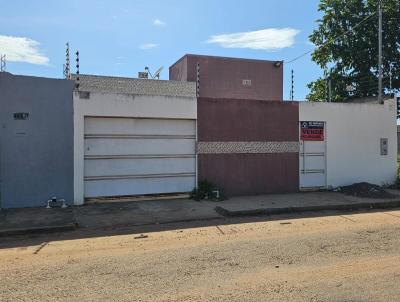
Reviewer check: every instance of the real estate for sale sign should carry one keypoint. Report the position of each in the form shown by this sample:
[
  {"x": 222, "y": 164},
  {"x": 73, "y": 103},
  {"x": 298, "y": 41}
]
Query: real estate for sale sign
[{"x": 311, "y": 131}]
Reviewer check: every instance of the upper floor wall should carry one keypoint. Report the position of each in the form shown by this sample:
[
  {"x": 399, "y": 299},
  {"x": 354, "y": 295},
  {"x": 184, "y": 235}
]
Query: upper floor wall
[{"x": 231, "y": 78}]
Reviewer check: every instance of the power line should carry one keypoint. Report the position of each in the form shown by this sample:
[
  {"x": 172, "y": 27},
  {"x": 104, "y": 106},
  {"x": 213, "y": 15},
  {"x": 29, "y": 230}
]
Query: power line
[
  {"x": 299, "y": 57},
  {"x": 331, "y": 41}
]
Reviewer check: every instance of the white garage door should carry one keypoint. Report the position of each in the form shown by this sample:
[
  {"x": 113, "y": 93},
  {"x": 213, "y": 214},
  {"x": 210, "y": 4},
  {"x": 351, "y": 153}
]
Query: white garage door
[{"x": 133, "y": 156}]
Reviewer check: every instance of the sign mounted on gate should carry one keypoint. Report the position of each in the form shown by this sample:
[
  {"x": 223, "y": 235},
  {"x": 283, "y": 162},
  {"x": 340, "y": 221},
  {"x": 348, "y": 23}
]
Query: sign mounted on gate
[{"x": 312, "y": 131}]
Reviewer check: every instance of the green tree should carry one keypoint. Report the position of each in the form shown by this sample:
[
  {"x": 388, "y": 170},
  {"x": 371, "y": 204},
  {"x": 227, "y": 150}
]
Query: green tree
[{"x": 346, "y": 43}]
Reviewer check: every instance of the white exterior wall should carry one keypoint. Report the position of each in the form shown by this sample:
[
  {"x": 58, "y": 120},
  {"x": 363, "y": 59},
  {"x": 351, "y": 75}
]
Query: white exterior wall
[
  {"x": 353, "y": 132},
  {"x": 122, "y": 105}
]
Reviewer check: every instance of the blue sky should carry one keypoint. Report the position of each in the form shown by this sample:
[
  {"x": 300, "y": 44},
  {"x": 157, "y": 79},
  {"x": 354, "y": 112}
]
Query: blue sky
[{"x": 120, "y": 38}]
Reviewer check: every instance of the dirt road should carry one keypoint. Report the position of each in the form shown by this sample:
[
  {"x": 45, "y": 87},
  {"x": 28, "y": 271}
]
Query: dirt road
[{"x": 332, "y": 258}]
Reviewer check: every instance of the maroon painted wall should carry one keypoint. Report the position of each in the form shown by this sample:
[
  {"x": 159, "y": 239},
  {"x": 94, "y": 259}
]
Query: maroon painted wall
[
  {"x": 178, "y": 71},
  {"x": 222, "y": 77},
  {"x": 227, "y": 120},
  {"x": 240, "y": 120},
  {"x": 251, "y": 174}
]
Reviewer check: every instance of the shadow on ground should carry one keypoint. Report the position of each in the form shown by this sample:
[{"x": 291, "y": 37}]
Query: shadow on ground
[{"x": 17, "y": 241}]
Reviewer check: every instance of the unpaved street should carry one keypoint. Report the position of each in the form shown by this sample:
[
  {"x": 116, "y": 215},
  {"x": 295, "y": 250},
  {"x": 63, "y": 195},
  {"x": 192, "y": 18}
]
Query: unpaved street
[{"x": 349, "y": 257}]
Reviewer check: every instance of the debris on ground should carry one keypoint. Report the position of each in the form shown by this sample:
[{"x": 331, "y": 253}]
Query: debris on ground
[
  {"x": 365, "y": 189},
  {"x": 141, "y": 236}
]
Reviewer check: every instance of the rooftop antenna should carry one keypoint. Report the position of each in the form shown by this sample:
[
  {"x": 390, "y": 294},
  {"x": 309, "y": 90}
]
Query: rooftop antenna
[
  {"x": 156, "y": 74},
  {"x": 77, "y": 69},
  {"x": 2, "y": 63},
  {"x": 67, "y": 70}
]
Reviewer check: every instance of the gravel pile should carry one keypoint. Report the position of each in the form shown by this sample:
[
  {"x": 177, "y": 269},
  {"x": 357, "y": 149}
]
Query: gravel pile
[{"x": 365, "y": 189}]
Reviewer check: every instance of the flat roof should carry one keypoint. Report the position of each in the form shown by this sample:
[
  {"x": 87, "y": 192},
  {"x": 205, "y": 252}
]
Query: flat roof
[{"x": 225, "y": 58}]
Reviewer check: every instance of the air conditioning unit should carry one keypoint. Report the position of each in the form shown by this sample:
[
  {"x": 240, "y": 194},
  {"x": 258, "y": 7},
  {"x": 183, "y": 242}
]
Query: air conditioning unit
[{"x": 143, "y": 75}]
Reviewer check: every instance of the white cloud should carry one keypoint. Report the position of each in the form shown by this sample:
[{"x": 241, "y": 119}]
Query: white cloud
[
  {"x": 22, "y": 49},
  {"x": 158, "y": 22},
  {"x": 265, "y": 39},
  {"x": 148, "y": 46}
]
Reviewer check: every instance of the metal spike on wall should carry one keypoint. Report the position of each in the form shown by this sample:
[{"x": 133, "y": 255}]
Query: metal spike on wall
[
  {"x": 198, "y": 80},
  {"x": 2, "y": 63},
  {"x": 292, "y": 87},
  {"x": 77, "y": 70},
  {"x": 67, "y": 70}
]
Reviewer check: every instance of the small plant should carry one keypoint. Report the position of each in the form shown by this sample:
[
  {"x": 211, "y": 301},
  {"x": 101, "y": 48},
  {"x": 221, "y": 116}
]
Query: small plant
[
  {"x": 396, "y": 184},
  {"x": 398, "y": 175},
  {"x": 207, "y": 190}
]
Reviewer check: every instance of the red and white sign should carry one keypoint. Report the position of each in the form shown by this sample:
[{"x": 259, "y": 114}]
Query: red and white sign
[{"x": 312, "y": 131}]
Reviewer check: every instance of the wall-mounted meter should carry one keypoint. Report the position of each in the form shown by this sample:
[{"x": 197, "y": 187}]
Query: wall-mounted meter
[{"x": 384, "y": 146}]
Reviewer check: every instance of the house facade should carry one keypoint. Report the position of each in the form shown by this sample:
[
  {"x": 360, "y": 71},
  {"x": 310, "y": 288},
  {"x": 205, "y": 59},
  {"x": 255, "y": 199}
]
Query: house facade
[{"x": 218, "y": 119}]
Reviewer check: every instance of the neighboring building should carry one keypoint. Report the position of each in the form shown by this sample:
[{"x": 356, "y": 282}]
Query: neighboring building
[
  {"x": 133, "y": 137},
  {"x": 36, "y": 140}
]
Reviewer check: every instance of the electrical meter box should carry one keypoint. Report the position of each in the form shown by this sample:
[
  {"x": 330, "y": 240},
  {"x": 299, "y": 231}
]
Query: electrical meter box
[{"x": 384, "y": 146}]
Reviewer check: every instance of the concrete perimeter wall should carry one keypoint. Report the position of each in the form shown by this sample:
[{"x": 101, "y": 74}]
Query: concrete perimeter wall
[
  {"x": 248, "y": 147},
  {"x": 353, "y": 133},
  {"x": 36, "y": 154}
]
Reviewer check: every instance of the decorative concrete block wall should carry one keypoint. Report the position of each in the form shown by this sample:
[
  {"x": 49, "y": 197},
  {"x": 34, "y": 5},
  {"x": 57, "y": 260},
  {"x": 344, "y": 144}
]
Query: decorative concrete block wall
[{"x": 134, "y": 86}]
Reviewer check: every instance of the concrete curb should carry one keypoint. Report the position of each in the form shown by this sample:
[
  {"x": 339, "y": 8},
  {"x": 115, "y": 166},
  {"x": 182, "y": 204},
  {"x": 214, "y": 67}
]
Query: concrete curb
[
  {"x": 334, "y": 207},
  {"x": 223, "y": 212},
  {"x": 38, "y": 230}
]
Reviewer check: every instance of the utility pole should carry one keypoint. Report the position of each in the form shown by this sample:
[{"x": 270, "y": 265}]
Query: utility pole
[{"x": 380, "y": 52}]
